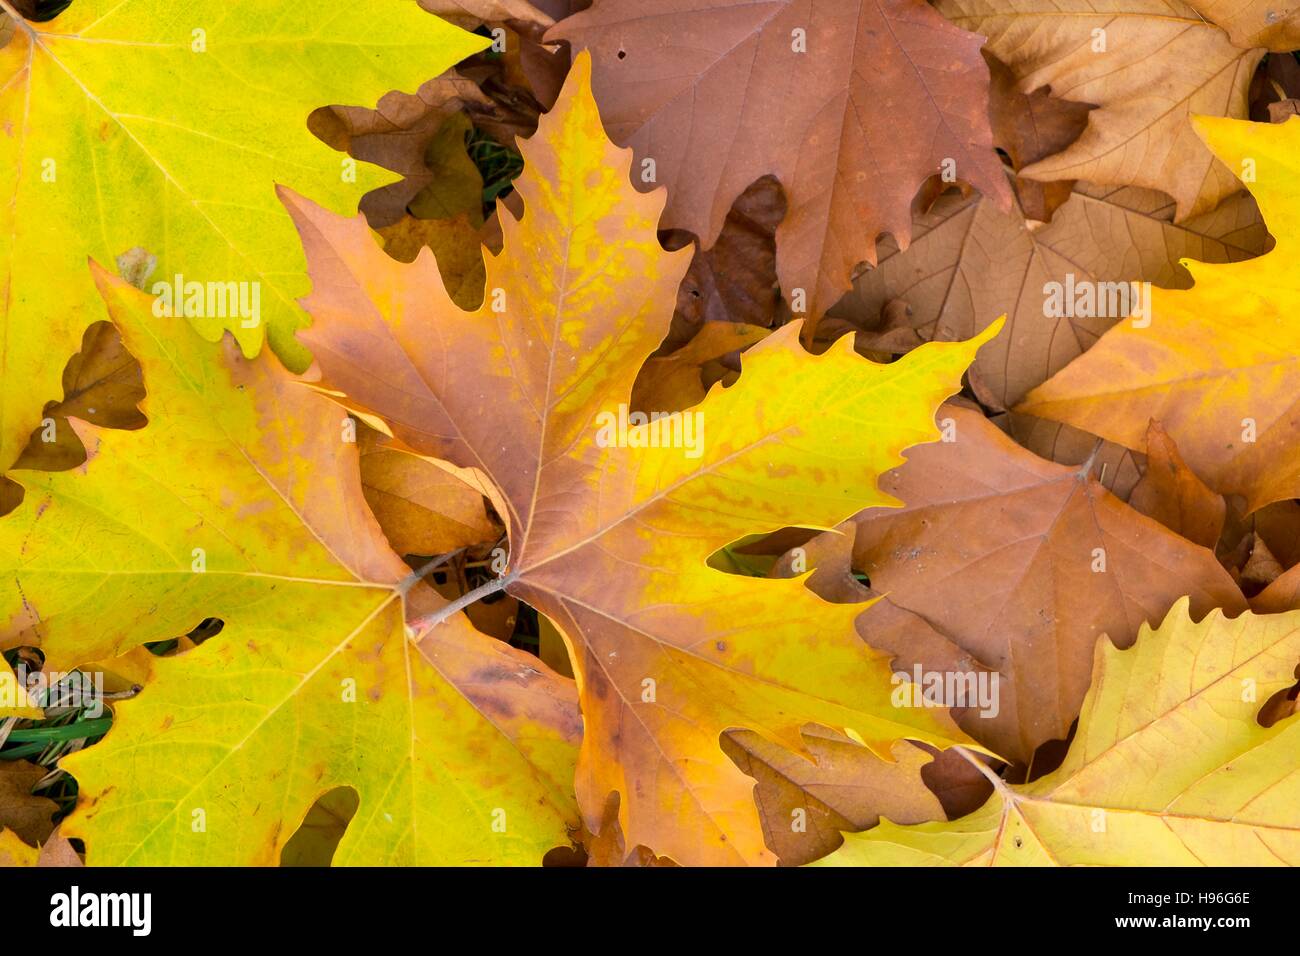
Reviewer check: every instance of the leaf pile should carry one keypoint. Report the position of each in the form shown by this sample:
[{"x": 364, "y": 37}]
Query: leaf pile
[{"x": 521, "y": 432}]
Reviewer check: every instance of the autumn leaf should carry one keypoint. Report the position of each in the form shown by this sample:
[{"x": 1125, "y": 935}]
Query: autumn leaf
[
  {"x": 127, "y": 125},
  {"x": 1132, "y": 790},
  {"x": 422, "y": 508},
  {"x": 1214, "y": 364},
  {"x": 456, "y": 245},
  {"x": 14, "y": 699},
  {"x": 850, "y": 105},
  {"x": 806, "y": 804},
  {"x": 1003, "y": 562},
  {"x": 241, "y": 499},
  {"x": 474, "y": 13},
  {"x": 398, "y": 135},
  {"x": 969, "y": 261},
  {"x": 674, "y": 382},
  {"x": 1172, "y": 494},
  {"x": 609, "y": 538},
  {"x": 21, "y": 812},
  {"x": 1147, "y": 65}
]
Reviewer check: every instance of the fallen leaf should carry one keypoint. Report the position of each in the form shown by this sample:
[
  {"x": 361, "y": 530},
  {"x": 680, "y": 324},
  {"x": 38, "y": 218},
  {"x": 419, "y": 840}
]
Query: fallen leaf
[
  {"x": 167, "y": 133},
  {"x": 422, "y": 508},
  {"x": 969, "y": 261},
  {"x": 455, "y": 246},
  {"x": 674, "y": 382},
  {"x": 850, "y": 105},
  {"x": 1148, "y": 65},
  {"x": 1001, "y": 560},
  {"x": 1131, "y": 792},
  {"x": 1172, "y": 494},
  {"x": 1214, "y": 363},
  {"x": 21, "y": 812},
  {"x": 806, "y": 804},
  {"x": 241, "y": 500},
  {"x": 1117, "y": 469},
  {"x": 398, "y": 134},
  {"x": 609, "y": 532}
]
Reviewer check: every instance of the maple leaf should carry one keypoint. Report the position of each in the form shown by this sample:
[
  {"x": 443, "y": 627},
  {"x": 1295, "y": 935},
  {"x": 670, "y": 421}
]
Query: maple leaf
[
  {"x": 806, "y": 805},
  {"x": 1214, "y": 364},
  {"x": 22, "y": 813},
  {"x": 673, "y": 382},
  {"x": 126, "y": 124},
  {"x": 399, "y": 134},
  {"x": 1131, "y": 791},
  {"x": 1147, "y": 65},
  {"x": 719, "y": 94},
  {"x": 1172, "y": 494},
  {"x": 1001, "y": 561},
  {"x": 14, "y": 699},
  {"x": 610, "y": 538},
  {"x": 968, "y": 261},
  {"x": 241, "y": 499},
  {"x": 422, "y": 508}
]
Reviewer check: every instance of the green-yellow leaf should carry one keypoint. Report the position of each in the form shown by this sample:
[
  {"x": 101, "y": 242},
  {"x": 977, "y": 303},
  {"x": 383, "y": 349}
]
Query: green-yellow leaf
[
  {"x": 241, "y": 499},
  {"x": 153, "y": 124}
]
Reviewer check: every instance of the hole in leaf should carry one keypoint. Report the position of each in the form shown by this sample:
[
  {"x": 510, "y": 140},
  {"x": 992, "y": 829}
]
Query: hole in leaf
[{"x": 318, "y": 836}]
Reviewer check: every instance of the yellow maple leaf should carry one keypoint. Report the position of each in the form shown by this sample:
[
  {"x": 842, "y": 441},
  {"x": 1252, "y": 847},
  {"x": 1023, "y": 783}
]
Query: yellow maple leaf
[
  {"x": 1169, "y": 766},
  {"x": 612, "y": 521},
  {"x": 1215, "y": 364},
  {"x": 128, "y": 124},
  {"x": 241, "y": 499}
]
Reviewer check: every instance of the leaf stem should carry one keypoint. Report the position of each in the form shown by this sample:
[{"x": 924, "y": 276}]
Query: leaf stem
[
  {"x": 422, "y": 626},
  {"x": 999, "y": 784},
  {"x": 408, "y": 582}
]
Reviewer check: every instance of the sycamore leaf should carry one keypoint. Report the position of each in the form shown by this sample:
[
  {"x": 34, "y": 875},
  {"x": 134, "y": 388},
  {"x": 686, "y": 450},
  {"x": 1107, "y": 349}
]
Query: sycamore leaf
[
  {"x": 456, "y": 245},
  {"x": 670, "y": 383},
  {"x": 969, "y": 261},
  {"x": 609, "y": 532},
  {"x": 850, "y": 104},
  {"x": 14, "y": 699},
  {"x": 131, "y": 123},
  {"x": 1147, "y": 65},
  {"x": 1169, "y": 767},
  {"x": 21, "y": 812},
  {"x": 422, "y": 508},
  {"x": 1215, "y": 364},
  {"x": 999, "y": 560},
  {"x": 1172, "y": 494},
  {"x": 241, "y": 500},
  {"x": 805, "y": 805},
  {"x": 397, "y": 135}
]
